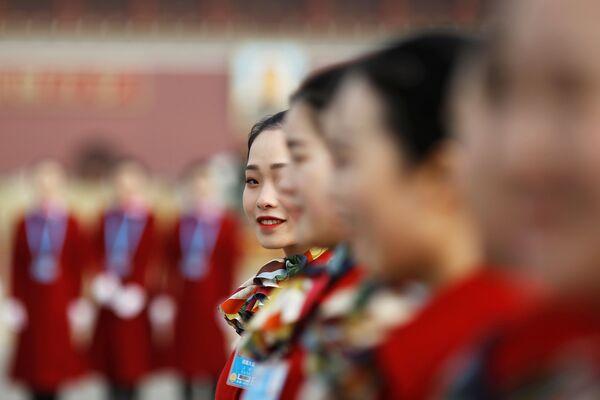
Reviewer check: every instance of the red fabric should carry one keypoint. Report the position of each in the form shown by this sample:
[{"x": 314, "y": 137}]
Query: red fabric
[
  {"x": 225, "y": 391},
  {"x": 45, "y": 356},
  {"x": 199, "y": 344},
  {"x": 535, "y": 345},
  {"x": 122, "y": 348},
  {"x": 413, "y": 357}
]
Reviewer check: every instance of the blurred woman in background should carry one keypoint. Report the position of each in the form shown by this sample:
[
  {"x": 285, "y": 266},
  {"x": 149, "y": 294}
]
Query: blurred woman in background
[
  {"x": 46, "y": 308},
  {"x": 126, "y": 249},
  {"x": 202, "y": 253}
]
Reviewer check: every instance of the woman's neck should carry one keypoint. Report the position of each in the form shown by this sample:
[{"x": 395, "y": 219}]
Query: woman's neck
[
  {"x": 294, "y": 250},
  {"x": 460, "y": 255}
]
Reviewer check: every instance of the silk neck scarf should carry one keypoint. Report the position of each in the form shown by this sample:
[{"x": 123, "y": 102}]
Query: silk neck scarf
[
  {"x": 351, "y": 322},
  {"x": 253, "y": 294},
  {"x": 271, "y": 332}
]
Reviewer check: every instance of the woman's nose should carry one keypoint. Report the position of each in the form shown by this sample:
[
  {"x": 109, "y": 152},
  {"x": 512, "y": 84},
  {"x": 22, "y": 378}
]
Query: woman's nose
[{"x": 267, "y": 197}]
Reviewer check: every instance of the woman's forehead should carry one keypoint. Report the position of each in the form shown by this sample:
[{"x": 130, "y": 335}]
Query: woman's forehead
[{"x": 269, "y": 148}]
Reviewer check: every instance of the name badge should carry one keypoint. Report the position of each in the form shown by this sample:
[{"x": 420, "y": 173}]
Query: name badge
[
  {"x": 241, "y": 374},
  {"x": 269, "y": 379}
]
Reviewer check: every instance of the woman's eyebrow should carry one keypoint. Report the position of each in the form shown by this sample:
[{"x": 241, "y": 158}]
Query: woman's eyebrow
[
  {"x": 278, "y": 165},
  {"x": 291, "y": 143},
  {"x": 254, "y": 167}
]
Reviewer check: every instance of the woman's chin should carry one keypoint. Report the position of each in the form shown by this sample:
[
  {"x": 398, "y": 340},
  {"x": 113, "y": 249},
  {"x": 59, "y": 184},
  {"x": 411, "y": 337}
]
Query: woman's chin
[{"x": 271, "y": 243}]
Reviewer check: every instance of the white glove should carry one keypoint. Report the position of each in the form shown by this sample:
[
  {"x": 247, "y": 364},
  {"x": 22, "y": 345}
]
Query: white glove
[
  {"x": 14, "y": 314},
  {"x": 128, "y": 301},
  {"x": 81, "y": 315},
  {"x": 104, "y": 288},
  {"x": 162, "y": 311}
]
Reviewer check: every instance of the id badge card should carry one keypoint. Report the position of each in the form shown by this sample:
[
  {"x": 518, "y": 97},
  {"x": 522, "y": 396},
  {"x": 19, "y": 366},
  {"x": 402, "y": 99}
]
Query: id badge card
[
  {"x": 241, "y": 374},
  {"x": 269, "y": 379}
]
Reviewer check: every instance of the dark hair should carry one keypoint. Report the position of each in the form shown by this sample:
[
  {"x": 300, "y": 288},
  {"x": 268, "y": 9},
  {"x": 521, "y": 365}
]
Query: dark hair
[
  {"x": 412, "y": 78},
  {"x": 318, "y": 89},
  {"x": 274, "y": 121}
]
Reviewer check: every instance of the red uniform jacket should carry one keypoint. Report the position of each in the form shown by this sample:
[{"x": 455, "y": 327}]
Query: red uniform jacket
[
  {"x": 413, "y": 357},
  {"x": 551, "y": 352},
  {"x": 122, "y": 348},
  {"x": 202, "y": 255},
  {"x": 46, "y": 282}
]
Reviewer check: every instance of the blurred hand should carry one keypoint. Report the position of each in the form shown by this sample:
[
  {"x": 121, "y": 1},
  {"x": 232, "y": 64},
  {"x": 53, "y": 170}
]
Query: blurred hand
[
  {"x": 81, "y": 314},
  {"x": 14, "y": 314},
  {"x": 128, "y": 301},
  {"x": 162, "y": 316},
  {"x": 104, "y": 288}
]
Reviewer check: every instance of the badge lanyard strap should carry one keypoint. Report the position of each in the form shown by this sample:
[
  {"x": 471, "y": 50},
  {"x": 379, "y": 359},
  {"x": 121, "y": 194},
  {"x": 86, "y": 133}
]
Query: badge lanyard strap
[
  {"x": 117, "y": 244},
  {"x": 124, "y": 243},
  {"x": 201, "y": 243},
  {"x": 45, "y": 246}
]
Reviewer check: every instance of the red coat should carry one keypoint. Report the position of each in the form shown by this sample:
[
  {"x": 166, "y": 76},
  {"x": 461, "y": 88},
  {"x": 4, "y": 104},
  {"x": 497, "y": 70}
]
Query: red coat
[
  {"x": 122, "y": 348},
  {"x": 198, "y": 285},
  {"x": 415, "y": 355},
  {"x": 555, "y": 345},
  {"x": 45, "y": 356}
]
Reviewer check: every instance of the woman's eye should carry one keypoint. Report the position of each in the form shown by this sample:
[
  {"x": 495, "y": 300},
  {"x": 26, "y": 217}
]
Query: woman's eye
[
  {"x": 341, "y": 160},
  {"x": 251, "y": 181},
  {"x": 298, "y": 158}
]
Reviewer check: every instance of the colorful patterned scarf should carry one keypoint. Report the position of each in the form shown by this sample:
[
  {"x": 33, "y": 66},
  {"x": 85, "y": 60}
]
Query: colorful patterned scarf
[
  {"x": 271, "y": 331},
  {"x": 241, "y": 306},
  {"x": 352, "y": 320}
]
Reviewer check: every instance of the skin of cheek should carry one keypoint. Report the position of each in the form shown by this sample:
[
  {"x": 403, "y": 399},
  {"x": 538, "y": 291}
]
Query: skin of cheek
[
  {"x": 387, "y": 230},
  {"x": 320, "y": 225},
  {"x": 285, "y": 235},
  {"x": 377, "y": 199}
]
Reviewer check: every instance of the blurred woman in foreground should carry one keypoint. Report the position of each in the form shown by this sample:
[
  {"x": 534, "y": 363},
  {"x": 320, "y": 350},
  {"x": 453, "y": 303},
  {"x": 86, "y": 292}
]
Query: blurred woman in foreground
[
  {"x": 527, "y": 110},
  {"x": 397, "y": 192}
]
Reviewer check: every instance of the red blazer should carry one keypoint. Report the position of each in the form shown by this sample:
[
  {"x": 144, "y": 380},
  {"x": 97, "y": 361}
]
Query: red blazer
[
  {"x": 198, "y": 348},
  {"x": 555, "y": 345},
  {"x": 121, "y": 348},
  {"x": 45, "y": 356},
  {"x": 415, "y": 355}
]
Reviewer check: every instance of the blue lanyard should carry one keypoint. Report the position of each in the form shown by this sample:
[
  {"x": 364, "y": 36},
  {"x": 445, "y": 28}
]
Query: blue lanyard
[
  {"x": 196, "y": 246},
  {"x": 120, "y": 245},
  {"x": 121, "y": 242},
  {"x": 45, "y": 237}
]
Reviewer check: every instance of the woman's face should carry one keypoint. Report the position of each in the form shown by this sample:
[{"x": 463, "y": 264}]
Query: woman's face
[
  {"x": 130, "y": 182},
  {"x": 382, "y": 202},
  {"x": 531, "y": 128},
  {"x": 267, "y": 160},
  {"x": 307, "y": 187}
]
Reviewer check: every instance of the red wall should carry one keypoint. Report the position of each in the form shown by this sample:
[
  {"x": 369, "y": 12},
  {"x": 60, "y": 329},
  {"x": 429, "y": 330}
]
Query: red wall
[{"x": 178, "y": 118}]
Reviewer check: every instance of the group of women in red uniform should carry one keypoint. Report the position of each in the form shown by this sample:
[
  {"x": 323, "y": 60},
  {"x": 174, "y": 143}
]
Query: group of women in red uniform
[
  {"x": 436, "y": 203},
  {"x": 142, "y": 303}
]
